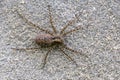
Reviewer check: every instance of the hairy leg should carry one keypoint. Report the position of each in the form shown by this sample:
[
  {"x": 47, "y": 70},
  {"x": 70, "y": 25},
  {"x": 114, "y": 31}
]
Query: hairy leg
[
  {"x": 74, "y": 51},
  {"x": 32, "y": 24},
  {"x": 51, "y": 19},
  {"x": 73, "y": 30},
  {"x": 25, "y": 48},
  {"x": 68, "y": 24},
  {"x": 67, "y": 56},
  {"x": 45, "y": 59}
]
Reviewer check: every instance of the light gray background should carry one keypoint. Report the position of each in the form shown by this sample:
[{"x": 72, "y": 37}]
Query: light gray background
[{"x": 99, "y": 40}]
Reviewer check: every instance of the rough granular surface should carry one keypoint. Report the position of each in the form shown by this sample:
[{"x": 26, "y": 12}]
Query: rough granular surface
[{"x": 99, "y": 39}]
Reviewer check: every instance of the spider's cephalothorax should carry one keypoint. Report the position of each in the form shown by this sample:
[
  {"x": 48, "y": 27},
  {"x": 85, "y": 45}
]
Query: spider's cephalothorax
[
  {"x": 51, "y": 38},
  {"x": 47, "y": 40}
]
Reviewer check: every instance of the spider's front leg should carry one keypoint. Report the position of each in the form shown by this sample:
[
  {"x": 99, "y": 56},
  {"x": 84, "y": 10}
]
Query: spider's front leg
[
  {"x": 67, "y": 56},
  {"x": 74, "y": 51},
  {"x": 67, "y": 25},
  {"x": 73, "y": 30}
]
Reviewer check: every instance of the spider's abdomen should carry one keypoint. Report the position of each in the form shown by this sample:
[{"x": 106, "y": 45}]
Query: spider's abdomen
[{"x": 46, "y": 40}]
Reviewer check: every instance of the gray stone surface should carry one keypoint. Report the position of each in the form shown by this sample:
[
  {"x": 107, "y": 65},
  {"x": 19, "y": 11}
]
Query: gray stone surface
[{"x": 99, "y": 39}]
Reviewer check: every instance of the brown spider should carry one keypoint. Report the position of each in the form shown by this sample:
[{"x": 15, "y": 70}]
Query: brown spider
[{"x": 51, "y": 39}]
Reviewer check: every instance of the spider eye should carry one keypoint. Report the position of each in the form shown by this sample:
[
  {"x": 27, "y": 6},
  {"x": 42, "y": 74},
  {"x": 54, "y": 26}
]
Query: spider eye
[{"x": 55, "y": 38}]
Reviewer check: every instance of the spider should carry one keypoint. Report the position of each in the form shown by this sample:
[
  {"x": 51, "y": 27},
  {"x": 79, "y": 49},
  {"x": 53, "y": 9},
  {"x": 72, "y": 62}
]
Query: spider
[{"x": 51, "y": 39}]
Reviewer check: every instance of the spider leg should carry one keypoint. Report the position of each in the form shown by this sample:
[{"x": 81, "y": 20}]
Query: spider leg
[
  {"x": 73, "y": 30},
  {"x": 68, "y": 24},
  {"x": 51, "y": 19},
  {"x": 25, "y": 48},
  {"x": 68, "y": 57},
  {"x": 45, "y": 59},
  {"x": 32, "y": 24},
  {"x": 74, "y": 51}
]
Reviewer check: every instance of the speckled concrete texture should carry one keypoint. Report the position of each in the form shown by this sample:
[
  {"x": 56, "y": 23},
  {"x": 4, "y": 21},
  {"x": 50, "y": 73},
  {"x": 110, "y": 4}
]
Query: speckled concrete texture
[{"x": 99, "y": 39}]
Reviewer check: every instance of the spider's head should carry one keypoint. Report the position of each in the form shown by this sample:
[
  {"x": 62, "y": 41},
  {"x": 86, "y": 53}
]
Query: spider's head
[{"x": 57, "y": 40}]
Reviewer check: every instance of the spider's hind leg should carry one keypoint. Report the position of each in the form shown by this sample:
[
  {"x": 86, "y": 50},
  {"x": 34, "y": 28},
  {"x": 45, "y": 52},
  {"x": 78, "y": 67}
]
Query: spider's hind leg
[
  {"x": 25, "y": 48},
  {"x": 31, "y": 23}
]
